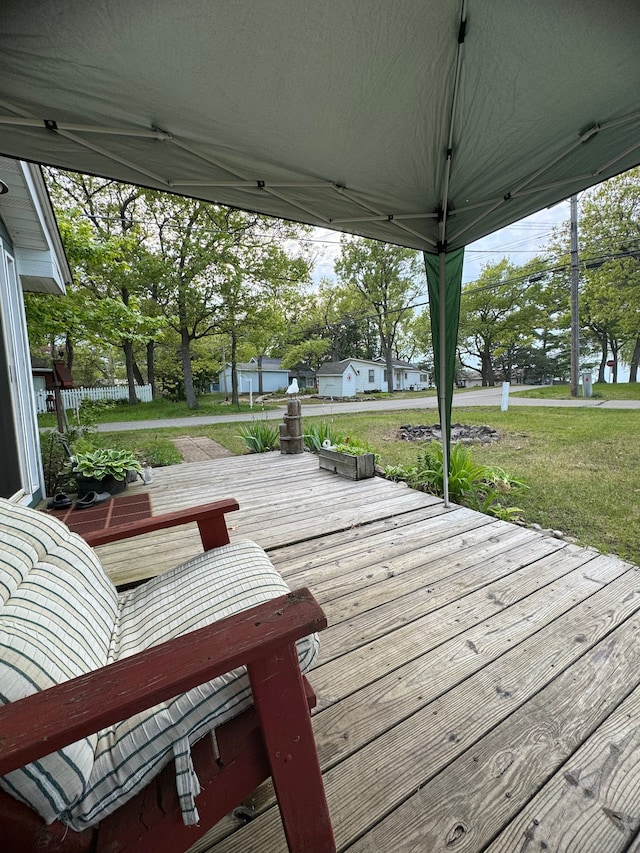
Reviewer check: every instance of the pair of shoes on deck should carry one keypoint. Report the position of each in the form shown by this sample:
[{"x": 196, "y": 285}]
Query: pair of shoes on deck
[{"x": 92, "y": 499}]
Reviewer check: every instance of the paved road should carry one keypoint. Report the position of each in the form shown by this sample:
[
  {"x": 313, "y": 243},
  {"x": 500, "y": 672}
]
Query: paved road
[{"x": 475, "y": 397}]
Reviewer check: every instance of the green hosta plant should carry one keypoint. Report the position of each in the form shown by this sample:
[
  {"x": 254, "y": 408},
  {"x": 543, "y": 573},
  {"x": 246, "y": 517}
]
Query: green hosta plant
[
  {"x": 260, "y": 437},
  {"x": 103, "y": 462}
]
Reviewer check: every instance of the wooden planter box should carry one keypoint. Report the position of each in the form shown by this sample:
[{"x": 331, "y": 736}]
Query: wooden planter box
[{"x": 353, "y": 467}]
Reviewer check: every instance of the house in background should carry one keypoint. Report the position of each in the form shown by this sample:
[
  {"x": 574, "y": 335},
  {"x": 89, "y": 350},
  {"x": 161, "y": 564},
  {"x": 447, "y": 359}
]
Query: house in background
[
  {"x": 353, "y": 376},
  {"x": 274, "y": 377},
  {"x": 31, "y": 259},
  {"x": 409, "y": 377},
  {"x": 339, "y": 378},
  {"x": 48, "y": 374}
]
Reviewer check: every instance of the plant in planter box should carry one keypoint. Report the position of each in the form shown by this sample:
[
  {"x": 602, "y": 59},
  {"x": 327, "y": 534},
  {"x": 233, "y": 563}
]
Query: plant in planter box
[
  {"x": 104, "y": 470},
  {"x": 352, "y": 459}
]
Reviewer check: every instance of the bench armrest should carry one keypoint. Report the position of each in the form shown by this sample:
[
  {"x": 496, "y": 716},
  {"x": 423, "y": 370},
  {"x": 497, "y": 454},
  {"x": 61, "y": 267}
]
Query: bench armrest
[
  {"x": 45, "y": 722},
  {"x": 210, "y": 519}
]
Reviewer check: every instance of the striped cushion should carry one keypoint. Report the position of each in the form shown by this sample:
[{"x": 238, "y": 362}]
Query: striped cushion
[
  {"x": 210, "y": 587},
  {"x": 56, "y": 622},
  {"x": 60, "y": 617}
]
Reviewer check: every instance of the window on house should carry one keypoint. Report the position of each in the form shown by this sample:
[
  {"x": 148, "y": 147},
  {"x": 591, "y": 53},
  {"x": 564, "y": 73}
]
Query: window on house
[
  {"x": 385, "y": 376},
  {"x": 424, "y": 377},
  {"x": 406, "y": 375},
  {"x": 372, "y": 376}
]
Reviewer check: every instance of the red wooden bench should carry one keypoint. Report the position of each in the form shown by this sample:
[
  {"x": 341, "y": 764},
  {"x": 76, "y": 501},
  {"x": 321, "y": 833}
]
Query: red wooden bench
[{"x": 272, "y": 738}]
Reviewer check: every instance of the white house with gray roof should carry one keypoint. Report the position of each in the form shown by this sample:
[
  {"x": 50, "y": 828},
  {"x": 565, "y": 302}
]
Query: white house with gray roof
[{"x": 353, "y": 376}]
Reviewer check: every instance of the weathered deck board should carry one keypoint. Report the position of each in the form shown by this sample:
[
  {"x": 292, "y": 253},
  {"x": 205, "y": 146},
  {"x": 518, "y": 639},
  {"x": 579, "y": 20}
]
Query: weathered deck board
[{"x": 479, "y": 684}]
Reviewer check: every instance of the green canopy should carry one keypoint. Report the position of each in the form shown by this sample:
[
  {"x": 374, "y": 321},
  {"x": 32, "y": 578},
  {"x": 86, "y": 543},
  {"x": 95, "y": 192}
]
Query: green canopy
[
  {"x": 426, "y": 123},
  {"x": 444, "y": 277}
]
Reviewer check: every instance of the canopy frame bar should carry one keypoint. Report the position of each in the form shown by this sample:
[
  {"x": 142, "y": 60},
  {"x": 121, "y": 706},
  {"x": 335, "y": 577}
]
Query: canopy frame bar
[
  {"x": 583, "y": 137},
  {"x": 442, "y": 247}
]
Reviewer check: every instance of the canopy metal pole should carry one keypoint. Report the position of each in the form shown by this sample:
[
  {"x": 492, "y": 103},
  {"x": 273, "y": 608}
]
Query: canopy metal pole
[{"x": 442, "y": 383}]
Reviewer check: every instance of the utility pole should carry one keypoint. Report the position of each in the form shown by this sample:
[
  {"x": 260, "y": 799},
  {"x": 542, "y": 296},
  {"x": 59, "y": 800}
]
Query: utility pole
[{"x": 575, "y": 322}]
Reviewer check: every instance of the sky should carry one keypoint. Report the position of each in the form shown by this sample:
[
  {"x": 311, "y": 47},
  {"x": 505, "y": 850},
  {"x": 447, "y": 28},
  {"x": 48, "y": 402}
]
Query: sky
[{"x": 519, "y": 242}]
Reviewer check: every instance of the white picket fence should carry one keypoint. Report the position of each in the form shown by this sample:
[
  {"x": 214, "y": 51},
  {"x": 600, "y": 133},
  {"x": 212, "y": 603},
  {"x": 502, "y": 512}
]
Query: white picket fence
[{"x": 73, "y": 397}]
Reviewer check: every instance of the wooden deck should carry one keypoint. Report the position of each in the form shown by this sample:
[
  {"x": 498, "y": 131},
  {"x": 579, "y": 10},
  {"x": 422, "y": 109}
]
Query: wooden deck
[{"x": 478, "y": 684}]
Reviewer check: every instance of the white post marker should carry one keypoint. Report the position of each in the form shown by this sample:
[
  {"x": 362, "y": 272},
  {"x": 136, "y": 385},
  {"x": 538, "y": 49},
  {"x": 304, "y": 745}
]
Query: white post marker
[{"x": 504, "y": 404}]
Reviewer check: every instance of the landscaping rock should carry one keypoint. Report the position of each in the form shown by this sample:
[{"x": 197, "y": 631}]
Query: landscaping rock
[{"x": 463, "y": 433}]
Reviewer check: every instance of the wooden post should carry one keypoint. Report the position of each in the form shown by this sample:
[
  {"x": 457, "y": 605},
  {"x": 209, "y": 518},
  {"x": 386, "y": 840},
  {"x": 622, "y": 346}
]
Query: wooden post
[{"x": 291, "y": 437}]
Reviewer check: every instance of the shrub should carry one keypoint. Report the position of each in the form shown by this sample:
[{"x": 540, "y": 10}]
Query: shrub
[
  {"x": 106, "y": 462},
  {"x": 480, "y": 487},
  {"x": 260, "y": 437},
  {"x": 55, "y": 458}
]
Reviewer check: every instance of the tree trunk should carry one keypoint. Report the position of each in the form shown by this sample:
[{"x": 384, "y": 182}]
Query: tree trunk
[
  {"x": 151, "y": 367},
  {"x": 234, "y": 372},
  {"x": 486, "y": 368},
  {"x": 635, "y": 361},
  {"x": 185, "y": 353},
  {"x": 69, "y": 351},
  {"x": 388, "y": 357},
  {"x": 260, "y": 388},
  {"x": 127, "y": 346},
  {"x": 604, "y": 348},
  {"x": 614, "y": 355},
  {"x": 137, "y": 374}
]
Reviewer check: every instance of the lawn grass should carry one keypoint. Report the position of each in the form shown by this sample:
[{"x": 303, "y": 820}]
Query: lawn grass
[
  {"x": 601, "y": 391},
  {"x": 582, "y": 465},
  {"x": 121, "y": 411}
]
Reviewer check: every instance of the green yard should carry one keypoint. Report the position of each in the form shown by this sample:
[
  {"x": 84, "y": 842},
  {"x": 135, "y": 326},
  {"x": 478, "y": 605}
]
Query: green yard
[{"x": 582, "y": 465}]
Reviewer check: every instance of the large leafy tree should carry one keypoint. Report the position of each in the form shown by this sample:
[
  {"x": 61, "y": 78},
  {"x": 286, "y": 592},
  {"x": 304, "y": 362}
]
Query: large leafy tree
[
  {"x": 104, "y": 236},
  {"x": 333, "y": 323},
  {"x": 145, "y": 260},
  {"x": 385, "y": 281},
  {"x": 609, "y": 231},
  {"x": 225, "y": 273},
  {"x": 496, "y": 319}
]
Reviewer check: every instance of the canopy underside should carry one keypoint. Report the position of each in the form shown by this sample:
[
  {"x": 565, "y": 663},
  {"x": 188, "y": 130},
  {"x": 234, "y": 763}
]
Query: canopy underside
[{"x": 371, "y": 117}]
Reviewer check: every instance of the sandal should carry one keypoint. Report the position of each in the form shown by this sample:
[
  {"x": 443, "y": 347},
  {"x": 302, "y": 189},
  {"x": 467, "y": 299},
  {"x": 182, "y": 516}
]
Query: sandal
[
  {"x": 92, "y": 498},
  {"x": 59, "y": 501}
]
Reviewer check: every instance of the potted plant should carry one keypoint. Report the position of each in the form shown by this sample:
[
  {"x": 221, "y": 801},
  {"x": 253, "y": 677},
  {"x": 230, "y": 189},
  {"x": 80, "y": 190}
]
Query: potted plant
[
  {"x": 349, "y": 459},
  {"x": 104, "y": 470}
]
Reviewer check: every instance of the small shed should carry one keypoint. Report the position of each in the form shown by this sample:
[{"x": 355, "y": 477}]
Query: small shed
[{"x": 337, "y": 379}]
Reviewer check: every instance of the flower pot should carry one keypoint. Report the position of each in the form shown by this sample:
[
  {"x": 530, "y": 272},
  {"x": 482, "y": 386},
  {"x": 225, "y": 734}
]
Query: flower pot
[
  {"x": 354, "y": 467},
  {"x": 107, "y": 484}
]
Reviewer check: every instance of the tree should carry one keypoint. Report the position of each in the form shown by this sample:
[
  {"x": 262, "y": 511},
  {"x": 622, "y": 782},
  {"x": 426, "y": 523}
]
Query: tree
[
  {"x": 497, "y": 319},
  {"x": 104, "y": 239},
  {"x": 389, "y": 280},
  {"x": 609, "y": 232}
]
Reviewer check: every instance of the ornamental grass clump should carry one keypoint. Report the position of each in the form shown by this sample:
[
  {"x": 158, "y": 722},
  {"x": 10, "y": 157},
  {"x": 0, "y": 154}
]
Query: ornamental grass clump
[
  {"x": 319, "y": 433},
  {"x": 483, "y": 488},
  {"x": 260, "y": 437}
]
